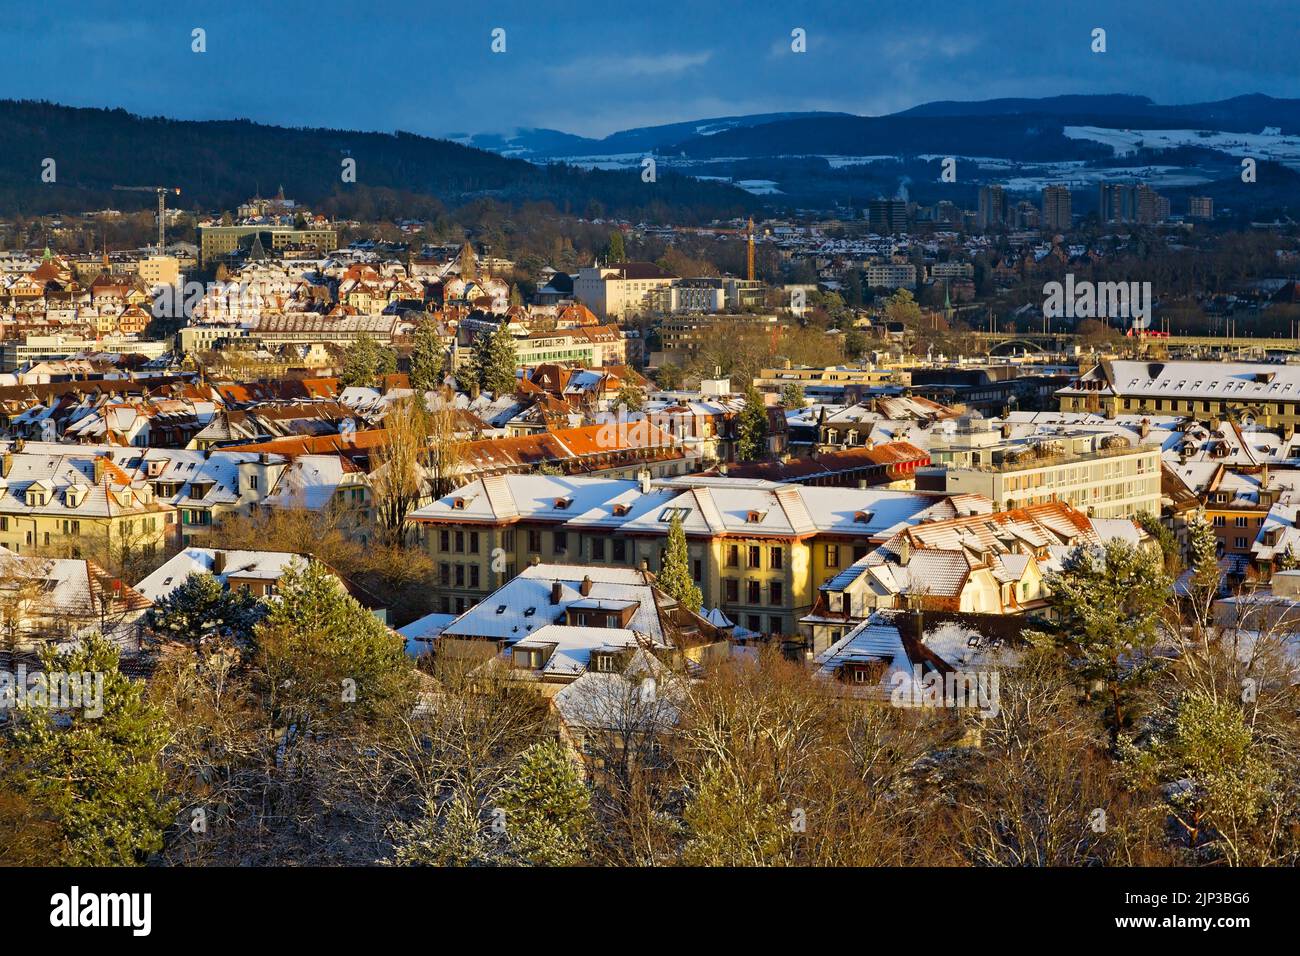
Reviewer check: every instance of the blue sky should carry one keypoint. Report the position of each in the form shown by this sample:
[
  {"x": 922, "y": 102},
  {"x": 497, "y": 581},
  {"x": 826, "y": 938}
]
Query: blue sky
[{"x": 593, "y": 68}]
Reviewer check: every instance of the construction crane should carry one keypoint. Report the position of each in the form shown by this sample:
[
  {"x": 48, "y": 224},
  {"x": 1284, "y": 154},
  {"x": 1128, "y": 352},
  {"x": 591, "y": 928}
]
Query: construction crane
[
  {"x": 750, "y": 251},
  {"x": 162, "y": 192}
]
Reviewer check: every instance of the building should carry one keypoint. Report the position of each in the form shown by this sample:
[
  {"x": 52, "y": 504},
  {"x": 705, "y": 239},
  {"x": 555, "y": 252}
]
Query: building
[
  {"x": 1056, "y": 209},
  {"x": 992, "y": 210},
  {"x": 1256, "y": 393},
  {"x": 1200, "y": 207},
  {"x": 218, "y": 242},
  {"x": 758, "y": 549},
  {"x": 891, "y": 275},
  {"x": 1103, "y": 475},
  {"x": 620, "y": 290},
  {"x": 887, "y": 216},
  {"x": 554, "y": 623}
]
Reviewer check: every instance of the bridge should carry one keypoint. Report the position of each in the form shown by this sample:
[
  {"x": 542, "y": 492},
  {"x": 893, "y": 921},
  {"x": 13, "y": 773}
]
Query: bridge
[{"x": 999, "y": 342}]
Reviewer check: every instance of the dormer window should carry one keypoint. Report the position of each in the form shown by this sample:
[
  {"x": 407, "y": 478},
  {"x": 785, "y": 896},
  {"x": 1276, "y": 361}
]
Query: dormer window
[
  {"x": 621, "y": 510},
  {"x": 755, "y": 517},
  {"x": 458, "y": 504},
  {"x": 603, "y": 662},
  {"x": 562, "y": 503},
  {"x": 862, "y": 517}
]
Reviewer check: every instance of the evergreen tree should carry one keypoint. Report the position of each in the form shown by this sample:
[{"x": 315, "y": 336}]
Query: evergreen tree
[
  {"x": 428, "y": 359},
  {"x": 792, "y": 396},
  {"x": 548, "y": 808},
  {"x": 360, "y": 363},
  {"x": 1108, "y": 608},
  {"x": 1206, "y": 578},
  {"x": 325, "y": 659},
  {"x": 732, "y": 825},
  {"x": 675, "y": 575},
  {"x": 201, "y": 610},
  {"x": 97, "y": 777},
  {"x": 751, "y": 430},
  {"x": 498, "y": 372},
  {"x": 468, "y": 262},
  {"x": 516, "y": 297},
  {"x": 615, "y": 251}
]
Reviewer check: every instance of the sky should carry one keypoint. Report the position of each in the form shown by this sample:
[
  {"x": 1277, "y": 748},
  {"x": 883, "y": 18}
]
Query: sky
[{"x": 596, "y": 67}]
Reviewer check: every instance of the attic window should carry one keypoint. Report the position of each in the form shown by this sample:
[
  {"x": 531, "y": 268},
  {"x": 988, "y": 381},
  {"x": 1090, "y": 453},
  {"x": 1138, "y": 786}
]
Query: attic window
[
  {"x": 501, "y": 609},
  {"x": 458, "y": 504},
  {"x": 754, "y": 517},
  {"x": 620, "y": 510},
  {"x": 530, "y": 612},
  {"x": 862, "y": 517},
  {"x": 668, "y": 514},
  {"x": 562, "y": 503}
]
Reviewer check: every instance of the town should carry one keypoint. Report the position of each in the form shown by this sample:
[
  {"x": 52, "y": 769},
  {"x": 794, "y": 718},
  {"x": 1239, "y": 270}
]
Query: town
[{"x": 661, "y": 500}]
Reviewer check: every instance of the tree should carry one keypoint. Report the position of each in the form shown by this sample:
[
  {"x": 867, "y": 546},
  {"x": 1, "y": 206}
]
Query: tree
[
  {"x": 97, "y": 777},
  {"x": 397, "y": 478},
  {"x": 363, "y": 362},
  {"x": 325, "y": 661},
  {"x": 751, "y": 429},
  {"x": 615, "y": 251},
  {"x": 1164, "y": 537},
  {"x": 1214, "y": 774},
  {"x": 1108, "y": 608},
  {"x": 1206, "y": 579},
  {"x": 493, "y": 362},
  {"x": 468, "y": 262},
  {"x": 675, "y": 575},
  {"x": 902, "y": 307},
  {"x": 428, "y": 357},
  {"x": 201, "y": 610},
  {"x": 630, "y": 397},
  {"x": 547, "y": 807},
  {"x": 668, "y": 377},
  {"x": 792, "y": 396}
]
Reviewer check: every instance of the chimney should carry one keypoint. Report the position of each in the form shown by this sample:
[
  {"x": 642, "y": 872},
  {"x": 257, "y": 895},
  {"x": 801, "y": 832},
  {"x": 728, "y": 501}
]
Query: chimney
[
  {"x": 643, "y": 476},
  {"x": 905, "y": 550},
  {"x": 7, "y": 464},
  {"x": 1006, "y": 430},
  {"x": 218, "y": 562},
  {"x": 585, "y": 588},
  {"x": 557, "y": 589},
  {"x": 99, "y": 470}
]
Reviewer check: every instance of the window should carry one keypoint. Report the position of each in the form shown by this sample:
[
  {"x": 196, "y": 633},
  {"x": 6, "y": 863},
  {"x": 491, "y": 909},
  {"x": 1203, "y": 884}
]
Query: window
[
  {"x": 755, "y": 591},
  {"x": 444, "y": 541},
  {"x": 560, "y": 542},
  {"x": 473, "y": 575},
  {"x": 775, "y": 594},
  {"x": 733, "y": 556},
  {"x": 832, "y": 555},
  {"x": 473, "y": 542},
  {"x": 460, "y": 542},
  {"x": 598, "y": 549},
  {"x": 252, "y": 482},
  {"x": 534, "y": 540},
  {"x": 732, "y": 591},
  {"x": 776, "y": 558},
  {"x": 1239, "y": 543},
  {"x": 1219, "y": 521},
  {"x": 755, "y": 556},
  {"x": 620, "y": 550},
  {"x": 756, "y": 623},
  {"x": 697, "y": 570},
  {"x": 460, "y": 575},
  {"x": 1240, "y": 521}
]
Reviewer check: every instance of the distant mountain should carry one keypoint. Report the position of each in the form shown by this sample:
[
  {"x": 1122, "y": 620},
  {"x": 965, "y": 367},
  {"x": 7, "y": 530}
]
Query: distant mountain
[
  {"x": 553, "y": 144},
  {"x": 218, "y": 163}
]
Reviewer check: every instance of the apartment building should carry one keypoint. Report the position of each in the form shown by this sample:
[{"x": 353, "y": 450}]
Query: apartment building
[
  {"x": 758, "y": 549},
  {"x": 1057, "y": 214},
  {"x": 891, "y": 275},
  {"x": 620, "y": 290},
  {"x": 1104, "y": 475},
  {"x": 216, "y": 242},
  {"x": 1259, "y": 394}
]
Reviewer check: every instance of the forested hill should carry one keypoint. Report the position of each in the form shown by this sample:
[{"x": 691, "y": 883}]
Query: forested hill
[{"x": 218, "y": 163}]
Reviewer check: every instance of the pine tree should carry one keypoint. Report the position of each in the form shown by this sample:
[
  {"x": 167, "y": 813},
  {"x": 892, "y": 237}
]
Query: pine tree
[
  {"x": 751, "y": 430},
  {"x": 731, "y": 825},
  {"x": 1108, "y": 609},
  {"x": 516, "y": 297},
  {"x": 675, "y": 575},
  {"x": 1206, "y": 578},
  {"x": 201, "y": 610},
  {"x": 631, "y": 398},
  {"x": 360, "y": 363},
  {"x": 97, "y": 777},
  {"x": 326, "y": 659},
  {"x": 548, "y": 808},
  {"x": 428, "y": 359},
  {"x": 615, "y": 251},
  {"x": 792, "y": 396},
  {"x": 498, "y": 374}
]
